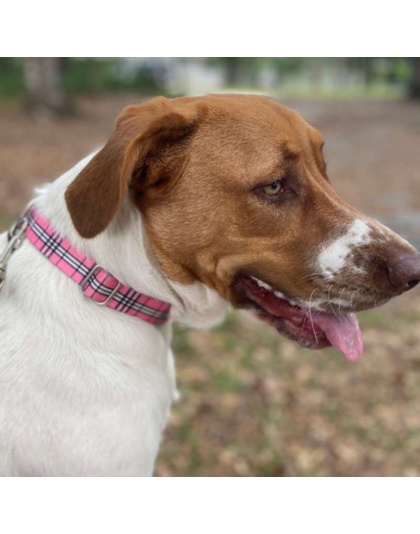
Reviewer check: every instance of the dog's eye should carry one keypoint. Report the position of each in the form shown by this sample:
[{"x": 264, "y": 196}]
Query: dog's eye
[{"x": 273, "y": 189}]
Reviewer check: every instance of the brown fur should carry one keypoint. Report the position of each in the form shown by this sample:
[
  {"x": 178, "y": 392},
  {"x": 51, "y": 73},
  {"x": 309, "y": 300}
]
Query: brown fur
[
  {"x": 134, "y": 155},
  {"x": 194, "y": 166}
]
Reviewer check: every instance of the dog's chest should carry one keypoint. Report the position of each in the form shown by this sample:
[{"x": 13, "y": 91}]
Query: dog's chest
[{"x": 81, "y": 391}]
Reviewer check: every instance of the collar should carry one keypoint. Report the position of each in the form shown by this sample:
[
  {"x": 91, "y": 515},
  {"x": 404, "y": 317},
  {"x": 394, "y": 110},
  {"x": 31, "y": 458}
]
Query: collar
[{"x": 95, "y": 282}]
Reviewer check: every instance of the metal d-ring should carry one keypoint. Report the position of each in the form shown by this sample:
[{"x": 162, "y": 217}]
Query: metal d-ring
[{"x": 15, "y": 237}]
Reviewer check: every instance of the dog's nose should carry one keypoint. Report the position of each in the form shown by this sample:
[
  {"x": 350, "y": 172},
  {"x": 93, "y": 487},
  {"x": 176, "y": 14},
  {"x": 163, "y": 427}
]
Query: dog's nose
[{"x": 404, "y": 274}]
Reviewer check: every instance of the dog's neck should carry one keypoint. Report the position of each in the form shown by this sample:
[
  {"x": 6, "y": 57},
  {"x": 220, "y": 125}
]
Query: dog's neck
[{"x": 122, "y": 249}]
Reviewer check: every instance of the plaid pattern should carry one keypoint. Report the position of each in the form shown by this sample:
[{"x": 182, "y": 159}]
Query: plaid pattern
[{"x": 96, "y": 283}]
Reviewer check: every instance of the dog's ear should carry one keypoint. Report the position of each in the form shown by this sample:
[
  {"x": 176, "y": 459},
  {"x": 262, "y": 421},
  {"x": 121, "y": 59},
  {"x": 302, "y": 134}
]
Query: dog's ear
[{"x": 147, "y": 147}]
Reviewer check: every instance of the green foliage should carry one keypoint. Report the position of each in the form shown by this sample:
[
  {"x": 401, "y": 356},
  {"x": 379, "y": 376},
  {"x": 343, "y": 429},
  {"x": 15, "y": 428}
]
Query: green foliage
[
  {"x": 402, "y": 70},
  {"x": 11, "y": 78},
  {"x": 345, "y": 78},
  {"x": 93, "y": 75},
  {"x": 84, "y": 75},
  {"x": 291, "y": 65}
]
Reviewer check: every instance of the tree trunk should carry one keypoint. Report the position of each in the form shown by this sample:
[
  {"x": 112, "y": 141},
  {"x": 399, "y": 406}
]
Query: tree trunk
[
  {"x": 45, "y": 94},
  {"x": 414, "y": 88}
]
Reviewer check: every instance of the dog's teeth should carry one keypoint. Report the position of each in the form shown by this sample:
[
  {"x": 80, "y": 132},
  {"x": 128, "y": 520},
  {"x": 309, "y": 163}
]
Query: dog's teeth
[
  {"x": 265, "y": 287},
  {"x": 262, "y": 284},
  {"x": 280, "y": 295}
]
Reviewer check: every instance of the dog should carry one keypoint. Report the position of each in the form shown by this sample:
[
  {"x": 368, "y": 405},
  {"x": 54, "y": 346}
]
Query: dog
[{"x": 194, "y": 205}]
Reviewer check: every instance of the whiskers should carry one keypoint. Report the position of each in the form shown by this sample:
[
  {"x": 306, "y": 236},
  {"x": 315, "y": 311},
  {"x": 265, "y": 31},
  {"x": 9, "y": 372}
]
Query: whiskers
[
  {"x": 348, "y": 299},
  {"x": 314, "y": 276},
  {"x": 309, "y": 314},
  {"x": 329, "y": 300},
  {"x": 339, "y": 300}
]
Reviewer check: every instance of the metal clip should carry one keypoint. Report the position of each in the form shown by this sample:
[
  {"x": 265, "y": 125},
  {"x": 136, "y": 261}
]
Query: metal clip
[
  {"x": 15, "y": 237},
  {"x": 85, "y": 283}
]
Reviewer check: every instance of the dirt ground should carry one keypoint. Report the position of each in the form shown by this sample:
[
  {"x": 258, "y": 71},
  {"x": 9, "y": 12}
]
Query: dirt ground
[{"x": 254, "y": 403}]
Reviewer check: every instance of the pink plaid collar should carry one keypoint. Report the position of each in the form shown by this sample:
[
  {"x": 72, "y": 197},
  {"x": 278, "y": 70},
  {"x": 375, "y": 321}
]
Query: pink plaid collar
[{"x": 95, "y": 282}]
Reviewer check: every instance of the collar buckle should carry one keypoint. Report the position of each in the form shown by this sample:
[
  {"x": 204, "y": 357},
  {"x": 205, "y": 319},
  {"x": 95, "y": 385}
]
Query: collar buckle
[{"x": 87, "y": 279}]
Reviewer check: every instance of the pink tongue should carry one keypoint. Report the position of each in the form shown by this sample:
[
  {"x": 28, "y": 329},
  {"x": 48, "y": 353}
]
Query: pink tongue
[{"x": 343, "y": 332}]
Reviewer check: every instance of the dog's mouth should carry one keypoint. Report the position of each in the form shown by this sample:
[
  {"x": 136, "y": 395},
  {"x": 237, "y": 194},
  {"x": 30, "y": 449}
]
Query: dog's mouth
[{"x": 310, "y": 328}]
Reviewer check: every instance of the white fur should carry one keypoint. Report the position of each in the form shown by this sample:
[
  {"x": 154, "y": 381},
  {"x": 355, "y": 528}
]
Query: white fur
[
  {"x": 334, "y": 256},
  {"x": 86, "y": 390}
]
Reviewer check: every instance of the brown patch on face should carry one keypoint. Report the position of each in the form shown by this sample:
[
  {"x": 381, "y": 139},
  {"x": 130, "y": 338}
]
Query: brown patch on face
[{"x": 214, "y": 223}]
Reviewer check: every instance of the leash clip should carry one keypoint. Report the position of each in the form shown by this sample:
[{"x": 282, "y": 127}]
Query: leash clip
[{"x": 15, "y": 237}]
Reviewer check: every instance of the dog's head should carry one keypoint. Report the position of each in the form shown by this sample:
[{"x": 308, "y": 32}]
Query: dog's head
[{"x": 234, "y": 194}]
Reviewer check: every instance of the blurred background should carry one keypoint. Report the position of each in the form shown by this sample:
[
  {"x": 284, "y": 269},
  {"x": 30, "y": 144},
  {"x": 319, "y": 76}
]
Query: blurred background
[{"x": 252, "y": 402}]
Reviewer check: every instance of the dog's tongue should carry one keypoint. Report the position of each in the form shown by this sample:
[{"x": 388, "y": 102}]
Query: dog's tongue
[{"x": 343, "y": 332}]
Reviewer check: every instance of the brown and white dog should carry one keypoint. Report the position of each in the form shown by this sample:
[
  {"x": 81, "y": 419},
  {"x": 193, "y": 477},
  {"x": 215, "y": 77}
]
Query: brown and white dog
[{"x": 201, "y": 203}]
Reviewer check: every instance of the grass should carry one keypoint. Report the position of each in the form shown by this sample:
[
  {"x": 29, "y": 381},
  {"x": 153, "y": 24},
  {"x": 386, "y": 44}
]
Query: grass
[
  {"x": 259, "y": 405},
  {"x": 390, "y": 319}
]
